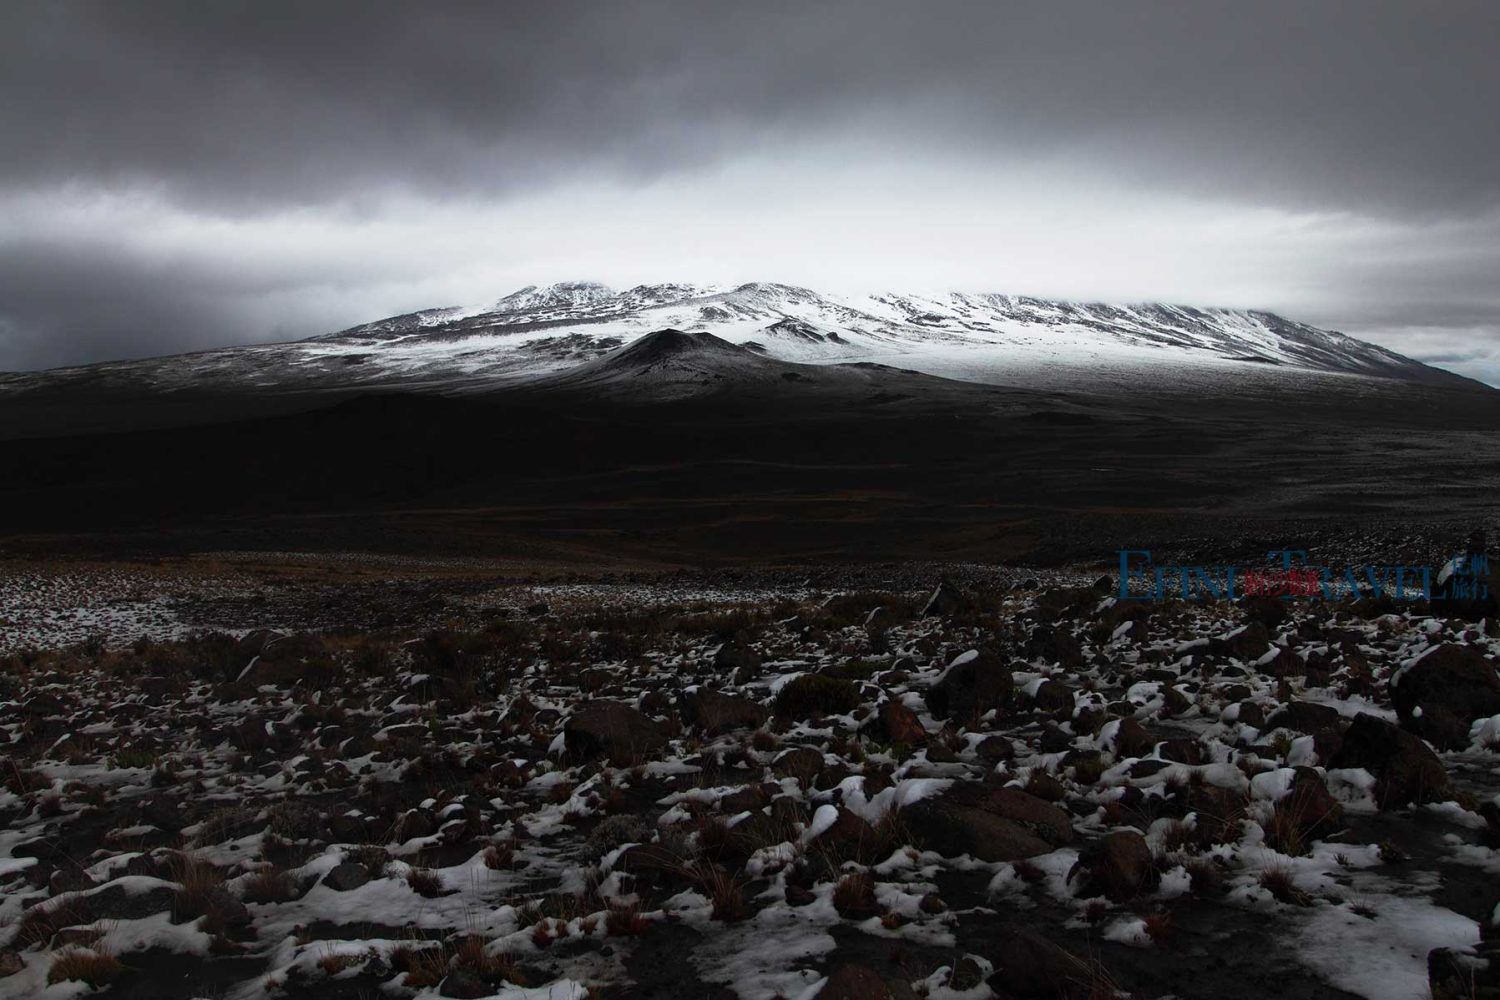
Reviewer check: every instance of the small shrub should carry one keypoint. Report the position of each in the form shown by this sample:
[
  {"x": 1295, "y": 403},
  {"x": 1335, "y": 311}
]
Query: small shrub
[
  {"x": 1159, "y": 928},
  {"x": 498, "y": 857},
  {"x": 616, "y": 831},
  {"x": 135, "y": 757}
]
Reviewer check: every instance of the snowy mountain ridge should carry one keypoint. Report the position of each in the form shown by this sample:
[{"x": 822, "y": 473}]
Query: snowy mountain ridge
[
  {"x": 942, "y": 333},
  {"x": 536, "y": 332}
]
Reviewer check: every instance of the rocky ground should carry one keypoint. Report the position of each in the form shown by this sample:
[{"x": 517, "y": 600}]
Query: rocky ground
[{"x": 841, "y": 785}]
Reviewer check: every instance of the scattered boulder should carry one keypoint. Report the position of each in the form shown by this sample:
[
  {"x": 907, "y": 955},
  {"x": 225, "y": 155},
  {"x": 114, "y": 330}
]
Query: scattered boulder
[
  {"x": 860, "y": 982},
  {"x": 948, "y": 600},
  {"x": 1284, "y": 664},
  {"x": 812, "y": 695},
  {"x": 463, "y": 985},
  {"x": 1304, "y": 717},
  {"x": 1053, "y": 696},
  {"x": 1440, "y": 695},
  {"x": 1464, "y": 973},
  {"x": 1305, "y": 813},
  {"x": 802, "y": 763},
  {"x": 611, "y": 729},
  {"x": 1054, "y": 645},
  {"x": 1030, "y": 967},
  {"x": 893, "y": 722},
  {"x": 716, "y": 713},
  {"x": 994, "y": 749},
  {"x": 738, "y": 661},
  {"x": 1132, "y": 740},
  {"x": 987, "y": 822},
  {"x": 346, "y": 876},
  {"x": 973, "y": 684},
  {"x": 1406, "y": 770},
  {"x": 1119, "y": 866},
  {"x": 850, "y": 836},
  {"x": 1247, "y": 643}
]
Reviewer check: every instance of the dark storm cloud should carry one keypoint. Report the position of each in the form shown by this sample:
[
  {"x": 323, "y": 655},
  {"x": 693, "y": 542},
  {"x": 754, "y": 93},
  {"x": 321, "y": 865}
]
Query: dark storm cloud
[
  {"x": 246, "y": 110},
  {"x": 249, "y": 103}
]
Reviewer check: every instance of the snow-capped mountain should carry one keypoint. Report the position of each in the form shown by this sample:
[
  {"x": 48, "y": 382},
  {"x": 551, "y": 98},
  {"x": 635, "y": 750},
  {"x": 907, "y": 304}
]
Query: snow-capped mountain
[{"x": 988, "y": 338}]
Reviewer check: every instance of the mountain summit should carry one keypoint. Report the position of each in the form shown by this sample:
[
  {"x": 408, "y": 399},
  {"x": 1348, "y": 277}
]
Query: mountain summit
[{"x": 980, "y": 337}]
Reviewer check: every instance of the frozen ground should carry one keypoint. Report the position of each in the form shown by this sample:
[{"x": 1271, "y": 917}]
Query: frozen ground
[{"x": 770, "y": 785}]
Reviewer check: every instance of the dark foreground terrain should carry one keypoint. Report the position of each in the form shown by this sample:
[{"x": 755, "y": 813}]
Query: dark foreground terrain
[
  {"x": 349, "y": 777},
  {"x": 681, "y": 450},
  {"x": 653, "y": 689}
]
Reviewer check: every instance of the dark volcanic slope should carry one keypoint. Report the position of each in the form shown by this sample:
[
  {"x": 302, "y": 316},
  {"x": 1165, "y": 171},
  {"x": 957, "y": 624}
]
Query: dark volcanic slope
[
  {"x": 682, "y": 448},
  {"x": 671, "y": 365}
]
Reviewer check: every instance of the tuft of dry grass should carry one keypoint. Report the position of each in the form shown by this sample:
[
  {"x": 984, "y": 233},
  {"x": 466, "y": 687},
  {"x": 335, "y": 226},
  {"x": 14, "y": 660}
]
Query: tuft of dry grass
[
  {"x": 80, "y": 965},
  {"x": 854, "y": 896},
  {"x": 40, "y": 923},
  {"x": 1206, "y": 879},
  {"x": 424, "y": 965},
  {"x": 624, "y": 920},
  {"x": 271, "y": 885},
  {"x": 471, "y": 955},
  {"x": 723, "y": 889},
  {"x": 1284, "y": 834},
  {"x": 498, "y": 857},
  {"x": 425, "y": 883},
  {"x": 201, "y": 887},
  {"x": 542, "y": 934},
  {"x": 1179, "y": 836},
  {"x": 1280, "y": 884}
]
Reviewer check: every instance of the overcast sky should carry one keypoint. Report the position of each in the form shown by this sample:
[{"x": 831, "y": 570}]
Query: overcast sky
[{"x": 180, "y": 176}]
